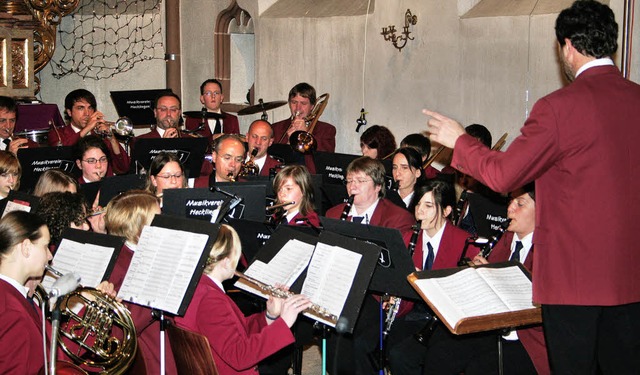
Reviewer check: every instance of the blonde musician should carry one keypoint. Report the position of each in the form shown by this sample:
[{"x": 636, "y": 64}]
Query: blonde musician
[
  {"x": 260, "y": 137},
  {"x": 438, "y": 246},
  {"x": 293, "y": 184},
  {"x": 24, "y": 253},
  {"x": 238, "y": 343},
  {"x": 10, "y": 172}
]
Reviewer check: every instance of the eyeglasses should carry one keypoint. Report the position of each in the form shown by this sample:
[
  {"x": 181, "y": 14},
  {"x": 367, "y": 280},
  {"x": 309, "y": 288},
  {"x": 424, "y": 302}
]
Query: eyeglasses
[
  {"x": 165, "y": 109},
  {"x": 168, "y": 176},
  {"x": 356, "y": 181},
  {"x": 9, "y": 174},
  {"x": 212, "y": 93},
  {"x": 92, "y": 161}
]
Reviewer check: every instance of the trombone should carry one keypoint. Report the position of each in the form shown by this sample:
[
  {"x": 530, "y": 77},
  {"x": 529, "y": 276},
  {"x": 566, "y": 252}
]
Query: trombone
[{"x": 303, "y": 141}]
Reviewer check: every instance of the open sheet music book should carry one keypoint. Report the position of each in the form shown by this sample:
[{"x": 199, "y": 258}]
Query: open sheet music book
[
  {"x": 331, "y": 271},
  {"x": 87, "y": 260},
  {"x": 163, "y": 266},
  {"x": 479, "y": 299}
]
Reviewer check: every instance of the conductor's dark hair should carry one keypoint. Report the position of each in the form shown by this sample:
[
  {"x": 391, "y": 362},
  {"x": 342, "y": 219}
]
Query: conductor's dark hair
[{"x": 590, "y": 26}]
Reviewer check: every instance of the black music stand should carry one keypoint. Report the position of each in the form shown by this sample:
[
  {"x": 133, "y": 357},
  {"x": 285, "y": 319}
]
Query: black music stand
[
  {"x": 113, "y": 186},
  {"x": 487, "y": 212},
  {"x": 180, "y": 267},
  {"x": 35, "y": 161},
  {"x": 394, "y": 262},
  {"x": 190, "y": 203},
  {"x": 137, "y": 105},
  {"x": 190, "y": 152}
]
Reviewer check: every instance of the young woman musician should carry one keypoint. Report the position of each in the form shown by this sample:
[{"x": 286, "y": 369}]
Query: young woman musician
[
  {"x": 407, "y": 172},
  {"x": 438, "y": 246},
  {"x": 24, "y": 253},
  {"x": 293, "y": 184},
  {"x": 126, "y": 215},
  {"x": 92, "y": 159},
  {"x": 10, "y": 172},
  {"x": 166, "y": 172},
  {"x": 377, "y": 142},
  {"x": 61, "y": 211},
  {"x": 53, "y": 180},
  {"x": 238, "y": 343}
]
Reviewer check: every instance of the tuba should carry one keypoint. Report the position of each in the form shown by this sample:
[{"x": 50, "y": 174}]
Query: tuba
[
  {"x": 302, "y": 141},
  {"x": 96, "y": 332}
]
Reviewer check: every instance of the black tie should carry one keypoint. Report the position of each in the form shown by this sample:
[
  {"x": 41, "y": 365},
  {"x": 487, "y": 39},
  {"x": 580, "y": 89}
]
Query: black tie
[
  {"x": 218, "y": 128},
  {"x": 6, "y": 141},
  {"x": 428, "y": 263},
  {"x": 357, "y": 219},
  {"x": 516, "y": 252}
]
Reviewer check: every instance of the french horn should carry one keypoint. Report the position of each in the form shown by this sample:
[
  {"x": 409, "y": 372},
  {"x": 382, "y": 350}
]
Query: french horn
[{"x": 96, "y": 332}]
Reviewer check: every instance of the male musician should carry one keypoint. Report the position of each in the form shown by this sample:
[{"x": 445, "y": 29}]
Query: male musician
[
  {"x": 228, "y": 155},
  {"x": 524, "y": 350},
  {"x": 574, "y": 140},
  {"x": 84, "y": 119},
  {"x": 8, "y": 112},
  {"x": 302, "y": 99},
  {"x": 211, "y": 97},
  {"x": 167, "y": 111},
  {"x": 260, "y": 137}
]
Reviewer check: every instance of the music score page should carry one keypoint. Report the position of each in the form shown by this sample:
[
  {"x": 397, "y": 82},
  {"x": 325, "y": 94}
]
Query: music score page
[
  {"x": 162, "y": 267},
  {"x": 88, "y": 261},
  {"x": 477, "y": 292}
]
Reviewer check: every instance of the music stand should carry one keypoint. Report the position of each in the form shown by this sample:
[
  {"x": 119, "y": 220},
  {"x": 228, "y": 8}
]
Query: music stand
[
  {"x": 137, "y": 105},
  {"x": 34, "y": 161},
  {"x": 33, "y": 116},
  {"x": 177, "y": 249},
  {"x": 487, "y": 213},
  {"x": 191, "y": 202},
  {"x": 113, "y": 186},
  {"x": 18, "y": 201},
  {"x": 190, "y": 151},
  {"x": 394, "y": 263}
]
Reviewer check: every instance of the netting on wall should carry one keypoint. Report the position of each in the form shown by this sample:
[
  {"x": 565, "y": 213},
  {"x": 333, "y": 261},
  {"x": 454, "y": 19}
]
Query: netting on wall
[{"x": 107, "y": 37}]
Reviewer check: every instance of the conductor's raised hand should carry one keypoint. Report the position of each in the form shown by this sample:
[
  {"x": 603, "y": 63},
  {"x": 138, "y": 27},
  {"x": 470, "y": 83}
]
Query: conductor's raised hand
[{"x": 442, "y": 129}]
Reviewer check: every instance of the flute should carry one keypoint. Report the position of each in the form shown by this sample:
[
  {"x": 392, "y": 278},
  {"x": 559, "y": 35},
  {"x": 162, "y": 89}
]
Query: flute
[
  {"x": 276, "y": 206},
  {"x": 280, "y": 293}
]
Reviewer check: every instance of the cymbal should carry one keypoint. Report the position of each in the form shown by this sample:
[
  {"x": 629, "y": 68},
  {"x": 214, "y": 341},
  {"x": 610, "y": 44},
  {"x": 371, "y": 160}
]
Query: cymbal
[
  {"x": 261, "y": 107},
  {"x": 200, "y": 114}
]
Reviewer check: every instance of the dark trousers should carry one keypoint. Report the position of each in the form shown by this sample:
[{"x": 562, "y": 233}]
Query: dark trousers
[{"x": 588, "y": 339}]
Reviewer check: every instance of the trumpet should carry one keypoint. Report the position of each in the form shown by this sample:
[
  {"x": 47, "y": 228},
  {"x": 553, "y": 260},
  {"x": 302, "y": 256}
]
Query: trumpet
[
  {"x": 315, "y": 309},
  {"x": 122, "y": 127},
  {"x": 250, "y": 168}
]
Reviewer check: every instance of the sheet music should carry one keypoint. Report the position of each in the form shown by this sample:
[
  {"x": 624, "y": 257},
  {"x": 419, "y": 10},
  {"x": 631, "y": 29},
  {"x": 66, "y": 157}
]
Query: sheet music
[
  {"x": 162, "y": 267},
  {"x": 330, "y": 276},
  {"x": 284, "y": 268},
  {"x": 88, "y": 261},
  {"x": 15, "y": 206},
  {"x": 470, "y": 293}
]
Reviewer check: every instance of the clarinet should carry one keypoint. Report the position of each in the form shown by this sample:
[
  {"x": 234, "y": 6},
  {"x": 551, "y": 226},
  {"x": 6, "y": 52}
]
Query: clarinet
[
  {"x": 394, "y": 302},
  {"x": 457, "y": 213},
  {"x": 488, "y": 247},
  {"x": 347, "y": 208}
]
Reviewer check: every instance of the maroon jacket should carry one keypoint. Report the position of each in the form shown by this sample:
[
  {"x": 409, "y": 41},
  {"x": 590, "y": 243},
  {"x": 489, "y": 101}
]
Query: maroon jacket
[
  {"x": 238, "y": 343},
  {"x": 580, "y": 144},
  {"x": 324, "y": 133},
  {"x": 531, "y": 338},
  {"x": 268, "y": 164},
  {"x": 229, "y": 125},
  {"x": 20, "y": 333},
  {"x": 386, "y": 215}
]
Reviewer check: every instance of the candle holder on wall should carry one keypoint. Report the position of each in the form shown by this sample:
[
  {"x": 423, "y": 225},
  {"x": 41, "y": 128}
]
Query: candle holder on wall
[{"x": 399, "y": 41}]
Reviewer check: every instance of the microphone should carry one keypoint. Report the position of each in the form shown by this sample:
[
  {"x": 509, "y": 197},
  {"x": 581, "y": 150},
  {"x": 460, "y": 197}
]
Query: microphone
[
  {"x": 362, "y": 121},
  {"x": 64, "y": 285}
]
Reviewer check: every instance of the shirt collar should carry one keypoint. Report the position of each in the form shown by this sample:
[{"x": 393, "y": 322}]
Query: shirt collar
[
  {"x": 597, "y": 62},
  {"x": 20, "y": 288}
]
